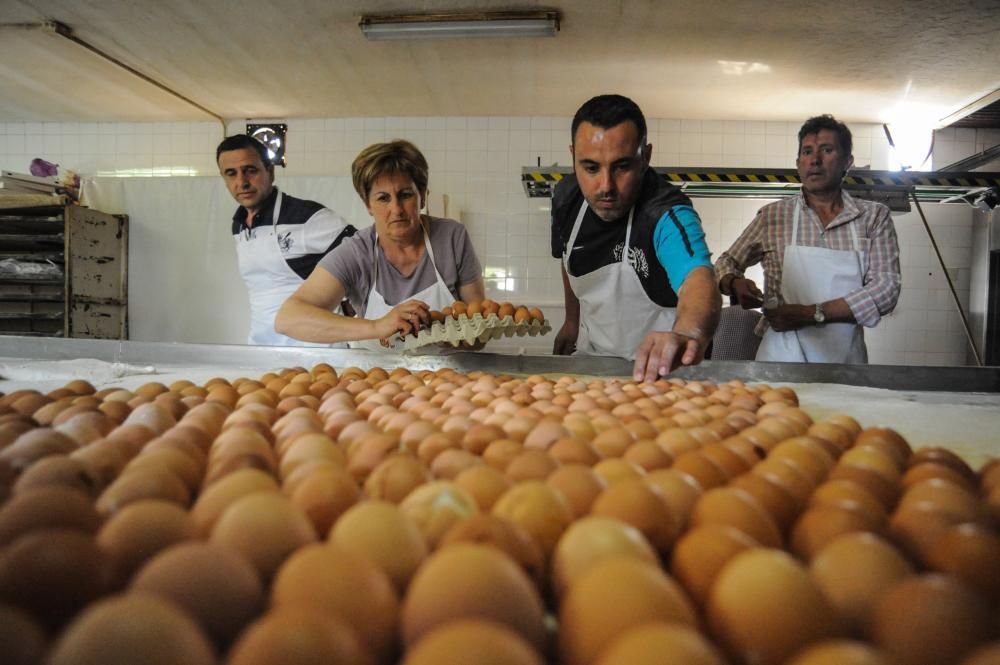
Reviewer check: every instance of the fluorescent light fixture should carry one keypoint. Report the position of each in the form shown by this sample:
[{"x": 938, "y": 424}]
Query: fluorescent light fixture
[{"x": 500, "y": 24}]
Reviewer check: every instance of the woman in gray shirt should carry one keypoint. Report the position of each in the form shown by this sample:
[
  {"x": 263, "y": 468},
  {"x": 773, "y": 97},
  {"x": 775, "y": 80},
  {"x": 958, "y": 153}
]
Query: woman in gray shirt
[{"x": 393, "y": 272}]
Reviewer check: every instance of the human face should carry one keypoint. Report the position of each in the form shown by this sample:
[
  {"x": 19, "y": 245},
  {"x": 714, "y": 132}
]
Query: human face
[
  {"x": 394, "y": 203},
  {"x": 609, "y": 163},
  {"x": 247, "y": 179},
  {"x": 822, "y": 163}
]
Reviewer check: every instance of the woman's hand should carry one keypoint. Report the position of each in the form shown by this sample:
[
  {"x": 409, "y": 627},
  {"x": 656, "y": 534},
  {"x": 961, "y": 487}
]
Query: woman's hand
[{"x": 405, "y": 318}]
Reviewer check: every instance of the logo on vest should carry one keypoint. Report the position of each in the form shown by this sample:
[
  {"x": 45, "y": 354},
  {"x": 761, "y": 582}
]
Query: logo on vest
[
  {"x": 285, "y": 241},
  {"x": 636, "y": 259}
]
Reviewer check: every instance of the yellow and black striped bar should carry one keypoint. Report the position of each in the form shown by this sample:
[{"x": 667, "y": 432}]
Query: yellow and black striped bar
[{"x": 538, "y": 182}]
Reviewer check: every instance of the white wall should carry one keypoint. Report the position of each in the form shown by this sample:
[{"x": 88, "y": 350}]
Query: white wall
[{"x": 476, "y": 163}]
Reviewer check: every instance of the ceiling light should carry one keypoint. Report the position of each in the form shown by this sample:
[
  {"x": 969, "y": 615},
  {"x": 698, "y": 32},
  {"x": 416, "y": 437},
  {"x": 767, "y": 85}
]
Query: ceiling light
[{"x": 501, "y": 24}]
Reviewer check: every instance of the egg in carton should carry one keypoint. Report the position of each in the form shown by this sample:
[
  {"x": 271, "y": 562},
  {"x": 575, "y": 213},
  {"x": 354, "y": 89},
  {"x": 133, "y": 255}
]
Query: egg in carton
[{"x": 454, "y": 330}]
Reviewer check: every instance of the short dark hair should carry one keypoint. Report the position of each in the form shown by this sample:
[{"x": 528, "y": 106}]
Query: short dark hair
[
  {"x": 818, "y": 123},
  {"x": 379, "y": 159},
  {"x": 609, "y": 111},
  {"x": 243, "y": 142}
]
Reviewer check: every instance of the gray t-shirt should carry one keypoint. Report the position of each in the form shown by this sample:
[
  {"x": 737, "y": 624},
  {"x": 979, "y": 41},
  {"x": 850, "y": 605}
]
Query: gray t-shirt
[{"x": 351, "y": 262}]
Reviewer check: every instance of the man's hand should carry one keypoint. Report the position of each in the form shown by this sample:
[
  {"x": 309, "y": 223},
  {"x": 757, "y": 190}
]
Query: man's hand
[
  {"x": 405, "y": 318},
  {"x": 662, "y": 352},
  {"x": 790, "y": 317},
  {"x": 746, "y": 292},
  {"x": 565, "y": 343}
]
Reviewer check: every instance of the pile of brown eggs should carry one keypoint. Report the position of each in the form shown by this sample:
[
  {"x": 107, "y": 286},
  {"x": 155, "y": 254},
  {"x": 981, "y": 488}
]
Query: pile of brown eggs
[
  {"x": 485, "y": 308},
  {"x": 438, "y": 517}
]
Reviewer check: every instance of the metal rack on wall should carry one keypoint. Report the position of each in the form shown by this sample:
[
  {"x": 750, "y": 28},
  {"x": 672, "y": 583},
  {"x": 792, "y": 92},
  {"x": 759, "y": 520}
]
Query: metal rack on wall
[
  {"x": 63, "y": 272},
  {"x": 890, "y": 187}
]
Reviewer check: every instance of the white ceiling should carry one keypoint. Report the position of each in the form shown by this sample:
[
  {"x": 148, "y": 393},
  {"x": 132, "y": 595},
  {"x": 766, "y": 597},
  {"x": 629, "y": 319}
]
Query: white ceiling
[{"x": 861, "y": 61}]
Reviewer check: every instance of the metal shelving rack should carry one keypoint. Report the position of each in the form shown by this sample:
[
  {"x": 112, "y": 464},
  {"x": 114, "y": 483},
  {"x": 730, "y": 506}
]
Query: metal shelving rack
[{"x": 63, "y": 272}]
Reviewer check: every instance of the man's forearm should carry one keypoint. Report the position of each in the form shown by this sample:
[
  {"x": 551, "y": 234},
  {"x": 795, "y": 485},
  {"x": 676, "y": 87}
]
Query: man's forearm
[{"x": 698, "y": 305}]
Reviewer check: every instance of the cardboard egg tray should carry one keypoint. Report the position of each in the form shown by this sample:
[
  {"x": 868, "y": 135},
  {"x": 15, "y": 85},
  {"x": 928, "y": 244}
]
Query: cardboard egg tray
[{"x": 476, "y": 328}]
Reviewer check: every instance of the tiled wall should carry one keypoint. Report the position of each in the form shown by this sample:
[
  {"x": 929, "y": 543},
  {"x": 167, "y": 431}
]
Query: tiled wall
[{"x": 475, "y": 174}]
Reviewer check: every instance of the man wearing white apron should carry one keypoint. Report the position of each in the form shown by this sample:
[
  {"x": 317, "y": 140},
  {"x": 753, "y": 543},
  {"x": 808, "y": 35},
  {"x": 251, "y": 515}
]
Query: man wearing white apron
[
  {"x": 637, "y": 274},
  {"x": 279, "y": 238},
  {"x": 831, "y": 262}
]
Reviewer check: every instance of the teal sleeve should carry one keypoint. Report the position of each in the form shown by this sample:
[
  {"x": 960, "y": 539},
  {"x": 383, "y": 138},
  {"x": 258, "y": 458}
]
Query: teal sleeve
[{"x": 680, "y": 244}]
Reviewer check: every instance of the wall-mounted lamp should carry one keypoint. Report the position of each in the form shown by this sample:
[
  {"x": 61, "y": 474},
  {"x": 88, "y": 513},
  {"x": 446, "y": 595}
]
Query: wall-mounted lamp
[
  {"x": 499, "y": 24},
  {"x": 272, "y": 135}
]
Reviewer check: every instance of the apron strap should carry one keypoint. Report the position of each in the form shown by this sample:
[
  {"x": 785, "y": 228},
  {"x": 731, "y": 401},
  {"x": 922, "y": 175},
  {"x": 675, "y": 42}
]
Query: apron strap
[{"x": 576, "y": 229}]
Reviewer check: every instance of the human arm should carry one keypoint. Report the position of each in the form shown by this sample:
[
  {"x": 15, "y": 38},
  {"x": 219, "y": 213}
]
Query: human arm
[
  {"x": 731, "y": 264},
  {"x": 565, "y": 342},
  {"x": 475, "y": 291},
  {"x": 879, "y": 291},
  {"x": 698, "y": 306},
  {"x": 680, "y": 246},
  {"x": 307, "y": 315}
]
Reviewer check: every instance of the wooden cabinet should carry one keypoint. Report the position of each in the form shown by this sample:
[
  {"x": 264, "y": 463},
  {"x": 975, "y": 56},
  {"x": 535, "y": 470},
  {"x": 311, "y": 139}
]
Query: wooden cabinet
[{"x": 63, "y": 273}]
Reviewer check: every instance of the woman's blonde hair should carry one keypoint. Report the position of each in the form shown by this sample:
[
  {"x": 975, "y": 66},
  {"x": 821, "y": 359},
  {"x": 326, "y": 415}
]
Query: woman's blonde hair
[{"x": 397, "y": 156}]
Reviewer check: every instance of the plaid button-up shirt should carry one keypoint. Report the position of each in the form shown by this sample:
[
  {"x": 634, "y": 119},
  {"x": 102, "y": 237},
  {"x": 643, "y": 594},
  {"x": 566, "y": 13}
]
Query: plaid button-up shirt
[{"x": 764, "y": 242}]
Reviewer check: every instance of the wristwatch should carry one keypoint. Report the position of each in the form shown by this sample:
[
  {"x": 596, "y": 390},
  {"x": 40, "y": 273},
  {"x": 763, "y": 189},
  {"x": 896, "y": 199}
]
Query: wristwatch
[{"x": 818, "y": 315}]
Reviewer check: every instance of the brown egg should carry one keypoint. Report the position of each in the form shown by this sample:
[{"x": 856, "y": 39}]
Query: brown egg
[
  {"x": 536, "y": 314},
  {"x": 679, "y": 490},
  {"x": 661, "y": 642},
  {"x": 853, "y": 571},
  {"x": 47, "y": 507},
  {"x": 537, "y": 508},
  {"x": 212, "y": 583},
  {"x": 820, "y": 525},
  {"x": 322, "y": 491},
  {"x": 34, "y": 445},
  {"x": 969, "y": 552},
  {"x": 53, "y": 573},
  {"x": 217, "y": 497},
  {"x": 773, "y": 497},
  {"x": 522, "y": 315},
  {"x": 116, "y": 629},
  {"x": 23, "y": 640},
  {"x": 739, "y": 509},
  {"x": 986, "y": 655},
  {"x": 931, "y": 619},
  {"x": 143, "y": 483},
  {"x": 612, "y": 597},
  {"x": 490, "y": 307},
  {"x": 591, "y": 540},
  {"x": 297, "y": 635},
  {"x": 58, "y": 470},
  {"x": 702, "y": 552},
  {"x": 944, "y": 497},
  {"x": 501, "y": 452},
  {"x": 344, "y": 585},
  {"x": 885, "y": 491},
  {"x": 472, "y": 641},
  {"x": 850, "y": 496},
  {"x": 265, "y": 527},
  {"x": 839, "y": 652},
  {"x": 381, "y": 532},
  {"x": 142, "y": 529},
  {"x": 436, "y": 506},
  {"x": 395, "y": 477},
  {"x": 472, "y": 581},
  {"x": 640, "y": 504},
  {"x": 579, "y": 485},
  {"x": 887, "y": 440},
  {"x": 485, "y": 484},
  {"x": 764, "y": 607}
]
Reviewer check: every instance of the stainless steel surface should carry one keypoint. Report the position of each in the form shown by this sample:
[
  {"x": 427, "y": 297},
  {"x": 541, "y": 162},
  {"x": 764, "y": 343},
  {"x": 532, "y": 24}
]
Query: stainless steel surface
[{"x": 895, "y": 377}]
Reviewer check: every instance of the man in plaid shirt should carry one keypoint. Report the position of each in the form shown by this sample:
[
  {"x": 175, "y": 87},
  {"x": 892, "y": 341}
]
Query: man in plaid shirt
[{"x": 831, "y": 262}]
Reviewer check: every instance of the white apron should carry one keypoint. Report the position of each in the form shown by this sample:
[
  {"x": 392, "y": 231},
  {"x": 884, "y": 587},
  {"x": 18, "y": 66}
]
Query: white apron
[
  {"x": 269, "y": 281},
  {"x": 437, "y": 296},
  {"x": 615, "y": 312},
  {"x": 816, "y": 275}
]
